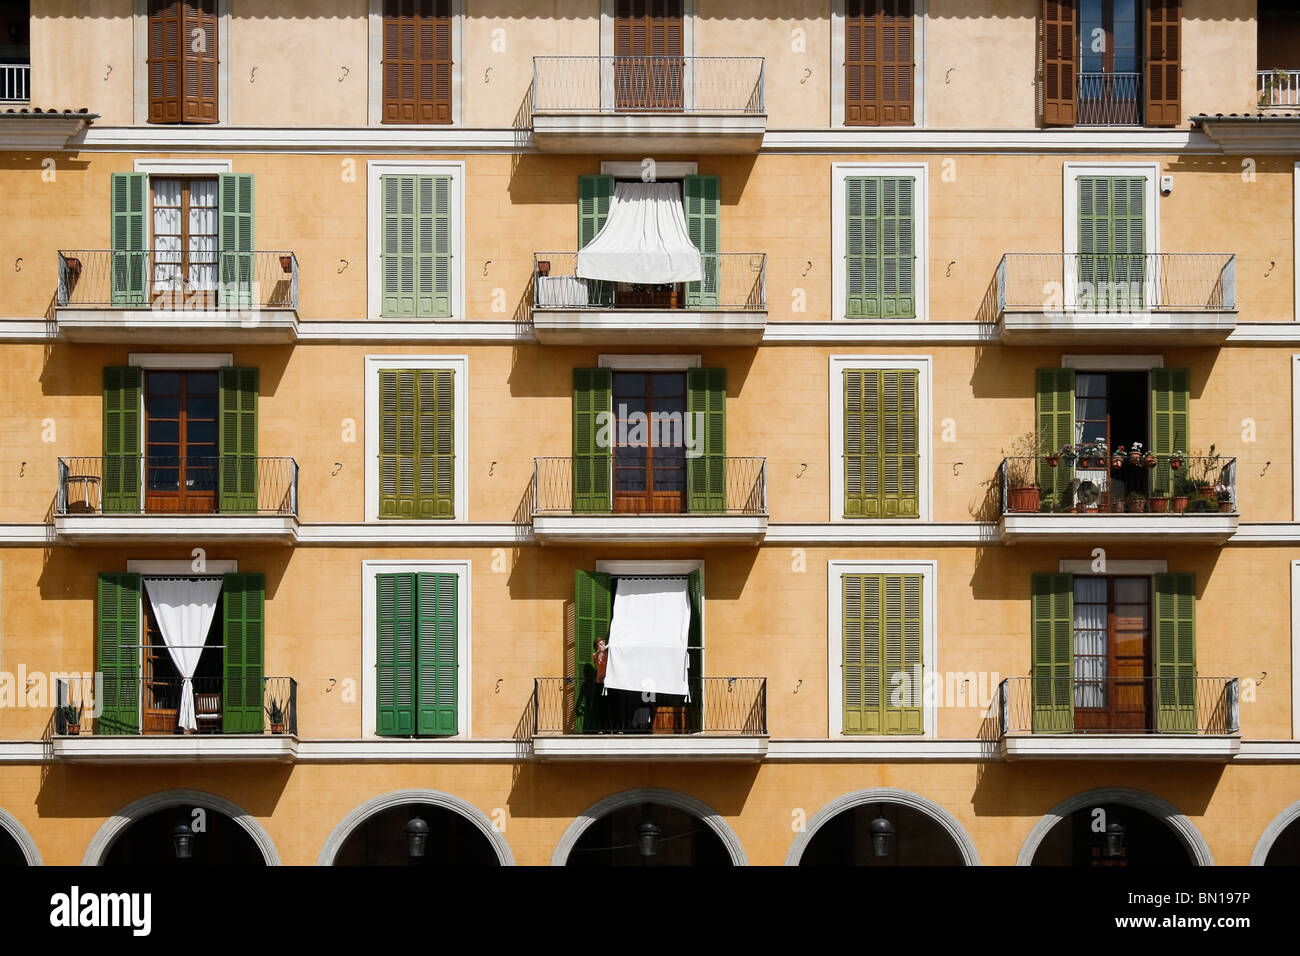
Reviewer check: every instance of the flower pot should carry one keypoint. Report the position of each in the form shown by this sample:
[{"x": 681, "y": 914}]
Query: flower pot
[
  {"x": 1149, "y": 461},
  {"x": 1026, "y": 498},
  {"x": 1053, "y": 461},
  {"x": 1175, "y": 463},
  {"x": 74, "y": 730},
  {"x": 1225, "y": 506},
  {"x": 1159, "y": 504},
  {"x": 286, "y": 263},
  {"x": 1117, "y": 505},
  {"x": 1116, "y": 463},
  {"x": 1178, "y": 503},
  {"x": 1134, "y": 457},
  {"x": 277, "y": 728},
  {"x": 1137, "y": 506}
]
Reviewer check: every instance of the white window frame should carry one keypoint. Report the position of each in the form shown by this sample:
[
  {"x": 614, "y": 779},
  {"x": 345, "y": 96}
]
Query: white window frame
[
  {"x": 1295, "y": 437},
  {"x": 835, "y": 571},
  {"x": 1082, "y": 567},
  {"x": 919, "y": 16},
  {"x": 1295, "y": 649},
  {"x": 459, "y": 366},
  {"x": 375, "y": 171},
  {"x": 608, "y": 8},
  {"x": 922, "y": 365},
  {"x": 649, "y": 363},
  {"x": 1295, "y": 241},
  {"x": 375, "y": 68},
  {"x": 662, "y": 169},
  {"x": 921, "y": 235},
  {"x": 140, "y": 65},
  {"x": 370, "y": 629},
  {"x": 1070, "y": 216}
]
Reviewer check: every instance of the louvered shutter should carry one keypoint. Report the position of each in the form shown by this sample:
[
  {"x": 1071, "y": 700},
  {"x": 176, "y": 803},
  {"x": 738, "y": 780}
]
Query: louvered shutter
[
  {"x": 436, "y": 661},
  {"x": 862, "y": 247},
  {"x": 862, "y": 628},
  {"x": 703, "y": 196},
  {"x": 235, "y": 240},
  {"x": 399, "y": 246},
  {"x": 593, "y": 608},
  {"x": 1112, "y": 242},
  {"x": 199, "y": 61},
  {"x": 1175, "y": 653},
  {"x": 417, "y": 61},
  {"x": 130, "y": 238},
  {"x": 435, "y": 444},
  {"x": 1054, "y": 413},
  {"x": 706, "y": 473},
  {"x": 395, "y": 654},
  {"x": 649, "y": 41},
  {"x": 165, "y": 60},
  {"x": 595, "y": 192},
  {"x": 416, "y": 443},
  {"x": 1170, "y": 422},
  {"x": 1163, "y": 72},
  {"x": 417, "y": 246},
  {"x": 592, "y": 397},
  {"x": 1052, "y": 680},
  {"x": 396, "y": 443},
  {"x": 117, "y": 654},
  {"x": 881, "y": 443},
  {"x": 862, "y": 443},
  {"x": 243, "y": 600},
  {"x": 878, "y": 63},
  {"x": 1059, "y": 49},
  {"x": 880, "y": 247},
  {"x": 121, "y": 439},
  {"x": 1094, "y": 242},
  {"x": 237, "y": 440},
  {"x": 897, "y": 249},
  {"x": 435, "y": 247},
  {"x": 695, "y": 708},
  {"x": 902, "y": 675}
]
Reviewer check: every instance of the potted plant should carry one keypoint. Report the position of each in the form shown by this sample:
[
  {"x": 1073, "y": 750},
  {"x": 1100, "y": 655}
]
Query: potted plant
[
  {"x": 1175, "y": 461},
  {"x": 1158, "y": 502},
  {"x": 1135, "y": 453},
  {"x": 286, "y": 264},
  {"x": 71, "y": 715},
  {"x": 1224, "y": 495},
  {"x": 1023, "y": 493},
  {"x": 1149, "y": 460},
  {"x": 1117, "y": 458},
  {"x": 1135, "y": 502},
  {"x": 1184, "y": 489},
  {"x": 1117, "y": 504},
  {"x": 1205, "y": 472},
  {"x": 275, "y": 712},
  {"x": 1053, "y": 459}
]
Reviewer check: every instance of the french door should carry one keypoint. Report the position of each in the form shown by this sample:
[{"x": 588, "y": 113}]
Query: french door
[
  {"x": 649, "y": 462},
  {"x": 1110, "y": 62},
  {"x": 649, "y": 65},
  {"x": 181, "y": 456},
  {"x": 1112, "y": 654},
  {"x": 184, "y": 261}
]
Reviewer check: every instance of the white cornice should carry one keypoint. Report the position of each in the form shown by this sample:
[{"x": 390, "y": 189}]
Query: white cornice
[
  {"x": 876, "y": 749},
  {"x": 884, "y": 532},
  {"x": 414, "y": 532},
  {"x": 895, "y": 140},
  {"x": 43, "y": 131}
]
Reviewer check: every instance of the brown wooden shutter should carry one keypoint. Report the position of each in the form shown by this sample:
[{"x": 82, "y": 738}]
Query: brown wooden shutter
[
  {"x": 165, "y": 61},
  {"x": 1060, "y": 47},
  {"x": 878, "y": 63},
  {"x": 417, "y": 61},
  {"x": 649, "y": 28},
  {"x": 1164, "y": 19},
  {"x": 183, "y": 61}
]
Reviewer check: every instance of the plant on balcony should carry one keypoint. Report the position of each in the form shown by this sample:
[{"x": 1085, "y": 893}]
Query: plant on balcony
[
  {"x": 71, "y": 715},
  {"x": 1135, "y": 453},
  {"x": 1023, "y": 493},
  {"x": 1224, "y": 494},
  {"x": 1091, "y": 454},
  {"x": 1117, "y": 458},
  {"x": 1135, "y": 502},
  {"x": 1206, "y": 471},
  {"x": 1184, "y": 489},
  {"x": 1175, "y": 460},
  {"x": 275, "y": 713}
]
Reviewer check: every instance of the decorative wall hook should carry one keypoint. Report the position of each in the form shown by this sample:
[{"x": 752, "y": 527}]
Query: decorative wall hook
[
  {"x": 809, "y": 269},
  {"x": 338, "y": 466},
  {"x": 18, "y": 264},
  {"x": 1262, "y": 675},
  {"x": 956, "y": 466},
  {"x": 1266, "y": 464},
  {"x": 252, "y": 73},
  {"x": 345, "y": 265},
  {"x": 346, "y": 71},
  {"x": 798, "y": 684},
  {"x": 806, "y": 73},
  {"x": 500, "y": 680},
  {"x": 1272, "y": 264},
  {"x": 333, "y": 681},
  {"x": 947, "y": 76},
  {"x": 21, "y": 469},
  {"x": 490, "y": 467},
  {"x": 109, "y": 73},
  {"x": 948, "y": 272},
  {"x": 486, "y": 262},
  {"x": 486, "y": 77},
  {"x": 803, "y": 466}
]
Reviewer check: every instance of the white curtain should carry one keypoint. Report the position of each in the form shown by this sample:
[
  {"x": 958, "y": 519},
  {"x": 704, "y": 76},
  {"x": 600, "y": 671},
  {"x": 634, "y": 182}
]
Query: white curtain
[
  {"x": 1090, "y": 640},
  {"x": 644, "y": 238},
  {"x": 648, "y": 636},
  {"x": 183, "y": 608}
]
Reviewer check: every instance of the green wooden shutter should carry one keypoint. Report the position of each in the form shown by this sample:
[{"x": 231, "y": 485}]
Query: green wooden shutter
[
  {"x": 117, "y": 654},
  {"x": 238, "y": 440},
  {"x": 706, "y": 473},
  {"x": 880, "y": 247},
  {"x": 1052, "y": 680},
  {"x": 1112, "y": 242},
  {"x": 862, "y": 247},
  {"x": 243, "y": 600},
  {"x": 703, "y": 206},
  {"x": 881, "y": 443},
  {"x": 883, "y": 681},
  {"x": 235, "y": 239},
  {"x": 594, "y": 195},
  {"x": 897, "y": 248},
  {"x": 435, "y": 448},
  {"x": 695, "y": 709},
  {"x": 1175, "y": 653},
  {"x": 395, "y": 655},
  {"x": 862, "y": 443},
  {"x": 902, "y": 677},
  {"x": 121, "y": 439},
  {"x": 862, "y": 697},
  {"x": 1054, "y": 413},
  {"x": 434, "y": 275},
  {"x": 1170, "y": 421},
  {"x": 436, "y": 661},
  {"x": 417, "y": 246},
  {"x": 399, "y": 246},
  {"x": 130, "y": 271},
  {"x": 593, "y": 607},
  {"x": 396, "y": 443},
  {"x": 592, "y": 394}
]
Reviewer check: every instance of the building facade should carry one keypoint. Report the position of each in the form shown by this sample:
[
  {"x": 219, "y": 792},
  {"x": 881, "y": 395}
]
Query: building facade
[{"x": 902, "y": 392}]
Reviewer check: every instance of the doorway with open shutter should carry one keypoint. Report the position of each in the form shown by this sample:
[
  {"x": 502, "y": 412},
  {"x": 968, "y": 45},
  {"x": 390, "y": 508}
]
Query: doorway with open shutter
[
  {"x": 1112, "y": 654},
  {"x": 161, "y": 681},
  {"x": 181, "y": 452},
  {"x": 649, "y": 474}
]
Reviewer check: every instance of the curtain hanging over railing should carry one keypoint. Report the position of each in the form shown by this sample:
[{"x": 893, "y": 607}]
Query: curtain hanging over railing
[
  {"x": 644, "y": 238},
  {"x": 648, "y": 636}
]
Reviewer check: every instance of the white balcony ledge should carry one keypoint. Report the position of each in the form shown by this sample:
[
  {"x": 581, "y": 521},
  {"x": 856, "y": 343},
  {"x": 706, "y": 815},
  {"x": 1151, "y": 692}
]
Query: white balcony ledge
[
  {"x": 175, "y": 528},
  {"x": 611, "y": 529},
  {"x": 182, "y": 327},
  {"x": 1170, "y": 747},
  {"x": 1047, "y": 327},
  {"x": 215, "y": 748},
  {"x": 634, "y": 327},
  {"x": 641, "y": 747},
  {"x": 1200, "y": 528},
  {"x": 648, "y": 133}
]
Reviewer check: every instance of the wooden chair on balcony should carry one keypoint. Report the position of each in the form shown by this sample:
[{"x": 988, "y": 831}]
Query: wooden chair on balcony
[{"x": 207, "y": 712}]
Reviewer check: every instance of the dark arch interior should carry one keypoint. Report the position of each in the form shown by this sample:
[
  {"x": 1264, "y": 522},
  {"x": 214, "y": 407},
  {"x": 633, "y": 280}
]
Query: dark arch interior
[
  {"x": 11, "y": 854},
  {"x": 1285, "y": 850},
  {"x": 614, "y": 840},
  {"x": 1148, "y": 841},
  {"x": 148, "y": 841},
  {"x": 845, "y": 839},
  {"x": 381, "y": 840}
]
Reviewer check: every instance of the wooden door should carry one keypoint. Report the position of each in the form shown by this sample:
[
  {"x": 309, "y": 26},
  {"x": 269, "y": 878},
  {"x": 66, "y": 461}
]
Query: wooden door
[
  {"x": 1110, "y": 60},
  {"x": 649, "y": 66},
  {"x": 183, "y": 232},
  {"x": 181, "y": 456},
  {"x": 1112, "y": 654},
  {"x": 161, "y": 698},
  {"x": 649, "y": 453}
]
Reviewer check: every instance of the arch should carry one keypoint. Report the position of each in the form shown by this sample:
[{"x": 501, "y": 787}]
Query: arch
[
  {"x": 1149, "y": 803},
  {"x": 1274, "y": 830},
  {"x": 115, "y": 825},
  {"x": 10, "y": 825},
  {"x": 667, "y": 798},
  {"x": 338, "y": 836},
  {"x": 905, "y": 798}
]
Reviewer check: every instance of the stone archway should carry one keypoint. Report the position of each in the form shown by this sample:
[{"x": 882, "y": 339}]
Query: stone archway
[
  {"x": 26, "y": 845},
  {"x": 115, "y": 826},
  {"x": 397, "y": 798},
  {"x": 1282, "y": 826},
  {"x": 654, "y": 796},
  {"x": 904, "y": 798}
]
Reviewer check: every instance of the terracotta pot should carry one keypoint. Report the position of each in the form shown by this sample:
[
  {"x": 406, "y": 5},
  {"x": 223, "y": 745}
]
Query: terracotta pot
[
  {"x": 1175, "y": 463},
  {"x": 1225, "y": 506},
  {"x": 1149, "y": 461},
  {"x": 286, "y": 263},
  {"x": 1134, "y": 458},
  {"x": 1117, "y": 505},
  {"x": 277, "y": 728},
  {"x": 1178, "y": 503},
  {"x": 1159, "y": 504},
  {"x": 1024, "y": 498},
  {"x": 1053, "y": 461},
  {"x": 74, "y": 730},
  {"x": 1137, "y": 506},
  {"x": 1116, "y": 463}
]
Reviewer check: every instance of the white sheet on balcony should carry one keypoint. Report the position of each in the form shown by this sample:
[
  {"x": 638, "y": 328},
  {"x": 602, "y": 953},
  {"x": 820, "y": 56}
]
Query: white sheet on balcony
[
  {"x": 648, "y": 636},
  {"x": 644, "y": 238},
  {"x": 184, "y": 608}
]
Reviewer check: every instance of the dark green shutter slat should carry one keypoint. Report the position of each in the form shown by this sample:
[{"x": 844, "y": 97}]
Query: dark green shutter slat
[
  {"x": 706, "y": 473},
  {"x": 235, "y": 239},
  {"x": 1054, "y": 413},
  {"x": 117, "y": 653},
  {"x": 436, "y": 660},
  {"x": 1175, "y": 653},
  {"x": 695, "y": 708},
  {"x": 595, "y": 192},
  {"x": 237, "y": 440},
  {"x": 130, "y": 238},
  {"x": 243, "y": 600},
  {"x": 592, "y": 395},
  {"x": 593, "y": 608},
  {"x": 395, "y": 654},
  {"x": 1052, "y": 680},
  {"x": 1170, "y": 421},
  {"x": 882, "y": 443},
  {"x": 880, "y": 247},
  {"x": 121, "y": 439},
  {"x": 703, "y": 207}
]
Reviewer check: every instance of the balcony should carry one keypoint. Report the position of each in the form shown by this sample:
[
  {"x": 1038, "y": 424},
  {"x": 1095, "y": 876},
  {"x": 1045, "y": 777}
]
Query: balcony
[
  {"x": 15, "y": 82},
  {"x": 1120, "y": 718},
  {"x": 1278, "y": 89},
  {"x": 1110, "y": 99},
  {"x": 728, "y": 723},
  {"x": 726, "y": 504},
  {"x": 729, "y": 307},
  {"x": 1050, "y": 499},
  {"x": 102, "y": 501},
  {"x": 1178, "y": 298},
  {"x": 211, "y": 298},
  {"x": 79, "y": 731},
  {"x": 648, "y": 105}
]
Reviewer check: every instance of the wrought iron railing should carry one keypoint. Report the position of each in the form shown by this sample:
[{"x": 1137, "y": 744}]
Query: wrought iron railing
[
  {"x": 1278, "y": 87},
  {"x": 727, "y": 706},
  {"x": 1087, "y": 282},
  {"x": 140, "y": 484},
  {"x": 1084, "y": 482},
  {"x": 1110, "y": 99},
  {"x": 140, "y": 705},
  {"x": 702, "y": 485},
  {"x": 195, "y": 281},
  {"x": 1102, "y": 704},
  {"x": 733, "y": 282},
  {"x": 648, "y": 84},
  {"x": 15, "y": 85}
]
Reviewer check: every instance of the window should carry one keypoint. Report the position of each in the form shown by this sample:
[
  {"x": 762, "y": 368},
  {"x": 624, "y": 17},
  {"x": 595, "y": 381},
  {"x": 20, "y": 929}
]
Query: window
[
  {"x": 15, "y": 52},
  {"x": 881, "y": 443},
  {"x": 1112, "y": 267},
  {"x": 878, "y": 63},
  {"x": 416, "y": 227},
  {"x": 879, "y": 240},
  {"x": 182, "y": 61},
  {"x": 417, "y": 61},
  {"x": 416, "y": 654},
  {"x": 649, "y": 48}
]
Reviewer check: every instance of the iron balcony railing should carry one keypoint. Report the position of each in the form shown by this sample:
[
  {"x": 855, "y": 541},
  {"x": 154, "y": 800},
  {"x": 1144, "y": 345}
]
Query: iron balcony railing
[
  {"x": 1102, "y": 704},
  {"x": 15, "y": 85},
  {"x": 728, "y": 706},
  {"x": 733, "y": 282},
  {"x": 1110, "y": 99},
  {"x": 1278, "y": 87},
  {"x": 681, "y": 484},
  {"x": 139, "y": 705},
  {"x": 1144, "y": 282},
  {"x": 152, "y": 484},
  {"x": 648, "y": 84},
  {"x": 1087, "y": 481},
  {"x": 207, "y": 281}
]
